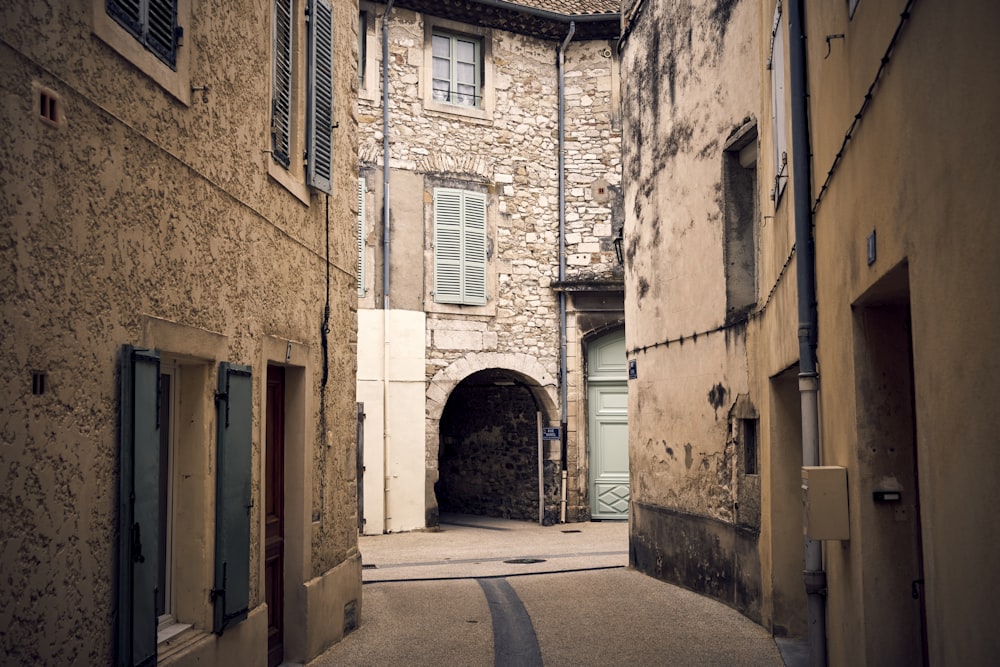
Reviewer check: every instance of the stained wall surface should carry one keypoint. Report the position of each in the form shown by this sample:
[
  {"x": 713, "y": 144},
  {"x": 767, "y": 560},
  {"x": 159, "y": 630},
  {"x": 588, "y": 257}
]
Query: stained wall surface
[{"x": 690, "y": 103}]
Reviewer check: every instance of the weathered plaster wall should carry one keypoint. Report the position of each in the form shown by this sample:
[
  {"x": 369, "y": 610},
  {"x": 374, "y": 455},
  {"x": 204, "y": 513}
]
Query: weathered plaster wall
[
  {"x": 138, "y": 206},
  {"x": 691, "y": 77},
  {"x": 510, "y": 153}
]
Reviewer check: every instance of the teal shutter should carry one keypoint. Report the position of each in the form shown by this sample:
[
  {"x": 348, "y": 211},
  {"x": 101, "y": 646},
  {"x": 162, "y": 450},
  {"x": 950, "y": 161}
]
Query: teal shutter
[
  {"x": 474, "y": 232},
  {"x": 128, "y": 14},
  {"x": 161, "y": 30},
  {"x": 459, "y": 247},
  {"x": 319, "y": 165},
  {"x": 447, "y": 245},
  {"x": 281, "y": 85},
  {"x": 234, "y": 403},
  {"x": 361, "y": 238},
  {"x": 138, "y": 505},
  {"x": 152, "y": 22}
]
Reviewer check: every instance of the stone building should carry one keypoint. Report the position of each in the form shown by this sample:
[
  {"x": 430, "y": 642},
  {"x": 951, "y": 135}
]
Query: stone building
[
  {"x": 483, "y": 284},
  {"x": 179, "y": 332},
  {"x": 809, "y": 189}
]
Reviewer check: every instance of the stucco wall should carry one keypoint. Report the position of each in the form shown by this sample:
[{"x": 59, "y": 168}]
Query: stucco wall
[
  {"x": 691, "y": 77},
  {"x": 135, "y": 206}
]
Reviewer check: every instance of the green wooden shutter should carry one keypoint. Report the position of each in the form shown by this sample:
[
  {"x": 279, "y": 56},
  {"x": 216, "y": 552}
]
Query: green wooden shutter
[
  {"x": 281, "y": 85},
  {"x": 138, "y": 505},
  {"x": 234, "y": 403},
  {"x": 128, "y": 14},
  {"x": 320, "y": 96},
  {"x": 447, "y": 245},
  {"x": 474, "y": 250},
  {"x": 152, "y": 22},
  {"x": 161, "y": 29},
  {"x": 361, "y": 237}
]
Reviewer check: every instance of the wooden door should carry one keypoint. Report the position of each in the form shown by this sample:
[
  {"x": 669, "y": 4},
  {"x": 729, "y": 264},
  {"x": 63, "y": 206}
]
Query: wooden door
[
  {"x": 274, "y": 514},
  {"x": 607, "y": 408}
]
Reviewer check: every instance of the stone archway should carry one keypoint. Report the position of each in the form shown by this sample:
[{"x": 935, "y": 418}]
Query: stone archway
[{"x": 521, "y": 370}]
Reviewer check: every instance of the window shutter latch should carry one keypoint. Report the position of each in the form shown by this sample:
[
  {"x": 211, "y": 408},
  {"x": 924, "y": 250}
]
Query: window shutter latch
[
  {"x": 137, "y": 556},
  {"x": 216, "y": 593}
]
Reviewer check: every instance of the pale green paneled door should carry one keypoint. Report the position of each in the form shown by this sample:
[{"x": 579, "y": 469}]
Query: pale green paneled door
[{"x": 607, "y": 407}]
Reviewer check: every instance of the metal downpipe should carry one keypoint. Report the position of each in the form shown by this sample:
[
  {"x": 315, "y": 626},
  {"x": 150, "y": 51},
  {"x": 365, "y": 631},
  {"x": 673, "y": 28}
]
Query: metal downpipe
[
  {"x": 563, "y": 400},
  {"x": 805, "y": 268},
  {"x": 386, "y": 435},
  {"x": 385, "y": 155}
]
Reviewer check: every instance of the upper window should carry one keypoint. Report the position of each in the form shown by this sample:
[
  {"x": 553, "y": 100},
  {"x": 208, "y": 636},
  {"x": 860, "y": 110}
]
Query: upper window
[
  {"x": 739, "y": 211},
  {"x": 459, "y": 247},
  {"x": 457, "y": 73},
  {"x": 457, "y": 77},
  {"x": 778, "y": 107},
  {"x": 151, "y": 35},
  {"x": 362, "y": 47},
  {"x": 289, "y": 81},
  {"x": 152, "y": 22}
]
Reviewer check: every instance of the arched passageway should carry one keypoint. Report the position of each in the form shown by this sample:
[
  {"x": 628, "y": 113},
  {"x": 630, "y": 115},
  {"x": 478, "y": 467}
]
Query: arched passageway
[{"x": 488, "y": 453}]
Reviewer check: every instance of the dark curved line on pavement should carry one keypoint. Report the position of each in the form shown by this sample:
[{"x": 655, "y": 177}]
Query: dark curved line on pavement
[
  {"x": 514, "y": 640},
  {"x": 497, "y": 559},
  {"x": 492, "y": 576}
]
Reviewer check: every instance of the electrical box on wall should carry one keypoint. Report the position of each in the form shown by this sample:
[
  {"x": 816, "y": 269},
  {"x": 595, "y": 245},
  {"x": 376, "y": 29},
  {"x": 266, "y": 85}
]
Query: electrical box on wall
[{"x": 824, "y": 495}]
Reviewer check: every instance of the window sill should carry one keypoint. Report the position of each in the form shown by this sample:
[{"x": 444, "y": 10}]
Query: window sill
[
  {"x": 299, "y": 189},
  {"x": 167, "y": 632},
  {"x": 452, "y": 111}
]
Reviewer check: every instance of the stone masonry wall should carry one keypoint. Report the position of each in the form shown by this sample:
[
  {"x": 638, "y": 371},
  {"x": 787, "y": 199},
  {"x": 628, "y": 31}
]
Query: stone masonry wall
[{"x": 514, "y": 154}]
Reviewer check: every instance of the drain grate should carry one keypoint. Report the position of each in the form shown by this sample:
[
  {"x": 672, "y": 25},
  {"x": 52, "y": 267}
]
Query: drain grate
[
  {"x": 368, "y": 567},
  {"x": 525, "y": 561},
  {"x": 571, "y": 531}
]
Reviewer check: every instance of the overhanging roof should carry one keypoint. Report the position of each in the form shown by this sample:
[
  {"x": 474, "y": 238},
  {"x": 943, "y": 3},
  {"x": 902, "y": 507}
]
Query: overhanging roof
[{"x": 545, "y": 19}]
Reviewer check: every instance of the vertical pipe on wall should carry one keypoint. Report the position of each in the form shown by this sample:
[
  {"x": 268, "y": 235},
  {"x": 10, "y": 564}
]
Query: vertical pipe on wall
[
  {"x": 541, "y": 470},
  {"x": 386, "y": 436},
  {"x": 805, "y": 267},
  {"x": 560, "y": 67}
]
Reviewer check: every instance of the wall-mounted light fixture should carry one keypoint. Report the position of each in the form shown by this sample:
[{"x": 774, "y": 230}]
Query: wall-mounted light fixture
[{"x": 619, "y": 243}]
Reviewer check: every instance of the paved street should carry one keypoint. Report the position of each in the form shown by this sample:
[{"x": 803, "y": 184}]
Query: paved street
[{"x": 453, "y": 597}]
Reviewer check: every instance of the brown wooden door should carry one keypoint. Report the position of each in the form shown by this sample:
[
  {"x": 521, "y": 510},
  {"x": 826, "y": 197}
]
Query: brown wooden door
[{"x": 274, "y": 514}]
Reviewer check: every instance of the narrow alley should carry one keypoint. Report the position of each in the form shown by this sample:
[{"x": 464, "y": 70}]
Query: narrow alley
[{"x": 483, "y": 591}]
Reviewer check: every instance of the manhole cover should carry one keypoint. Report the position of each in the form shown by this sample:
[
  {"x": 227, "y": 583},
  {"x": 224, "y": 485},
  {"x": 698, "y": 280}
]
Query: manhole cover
[{"x": 525, "y": 561}]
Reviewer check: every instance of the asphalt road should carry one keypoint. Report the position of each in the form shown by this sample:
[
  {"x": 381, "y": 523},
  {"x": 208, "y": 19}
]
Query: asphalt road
[{"x": 492, "y": 592}]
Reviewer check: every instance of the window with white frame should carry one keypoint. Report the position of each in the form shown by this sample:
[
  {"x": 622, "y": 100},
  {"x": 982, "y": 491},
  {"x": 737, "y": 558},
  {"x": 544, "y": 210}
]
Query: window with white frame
[
  {"x": 779, "y": 109},
  {"x": 459, "y": 247},
  {"x": 457, "y": 74},
  {"x": 457, "y": 63}
]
